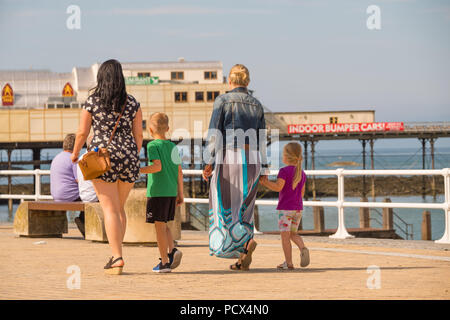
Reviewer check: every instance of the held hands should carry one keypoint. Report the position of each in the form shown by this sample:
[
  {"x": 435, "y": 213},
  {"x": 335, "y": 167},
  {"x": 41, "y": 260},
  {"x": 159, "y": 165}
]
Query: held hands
[
  {"x": 207, "y": 172},
  {"x": 263, "y": 180}
]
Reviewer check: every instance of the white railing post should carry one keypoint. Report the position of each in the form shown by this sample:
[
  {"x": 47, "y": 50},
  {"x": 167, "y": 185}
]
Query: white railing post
[
  {"x": 37, "y": 188},
  {"x": 341, "y": 232},
  {"x": 446, "y": 237}
]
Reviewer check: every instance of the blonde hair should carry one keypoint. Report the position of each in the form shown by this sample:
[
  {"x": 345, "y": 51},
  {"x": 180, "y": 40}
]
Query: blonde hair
[
  {"x": 159, "y": 122},
  {"x": 239, "y": 75},
  {"x": 293, "y": 153}
]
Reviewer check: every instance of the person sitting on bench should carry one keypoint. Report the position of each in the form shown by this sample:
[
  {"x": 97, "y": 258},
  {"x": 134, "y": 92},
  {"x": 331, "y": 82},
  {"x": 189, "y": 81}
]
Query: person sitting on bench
[
  {"x": 63, "y": 178},
  {"x": 85, "y": 187}
]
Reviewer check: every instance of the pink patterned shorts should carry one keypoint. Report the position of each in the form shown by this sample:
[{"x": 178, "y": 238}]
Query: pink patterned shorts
[{"x": 288, "y": 220}]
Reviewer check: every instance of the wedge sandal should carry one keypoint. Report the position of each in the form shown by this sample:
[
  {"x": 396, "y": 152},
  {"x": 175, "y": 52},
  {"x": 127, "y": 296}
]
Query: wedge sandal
[
  {"x": 246, "y": 258},
  {"x": 109, "y": 269},
  {"x": 238, "y": 266}
]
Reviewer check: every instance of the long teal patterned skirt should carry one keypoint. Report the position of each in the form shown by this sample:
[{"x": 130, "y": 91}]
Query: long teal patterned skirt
[{"x": 232, "y": 198}]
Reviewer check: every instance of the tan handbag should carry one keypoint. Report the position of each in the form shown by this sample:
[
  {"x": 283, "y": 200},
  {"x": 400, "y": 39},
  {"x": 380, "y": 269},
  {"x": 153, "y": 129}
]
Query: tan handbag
[{"x": 95, "y": 163}]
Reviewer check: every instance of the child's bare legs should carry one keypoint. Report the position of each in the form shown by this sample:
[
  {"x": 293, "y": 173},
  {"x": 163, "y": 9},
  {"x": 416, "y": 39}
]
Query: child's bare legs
[
  {"x": 297, "y": 239},
  {"x": 287, "y": 247},
  {"x": 170, "y": 243},
  {"x": 162, "y": 238},
  {"x": 304, "y": 252}
]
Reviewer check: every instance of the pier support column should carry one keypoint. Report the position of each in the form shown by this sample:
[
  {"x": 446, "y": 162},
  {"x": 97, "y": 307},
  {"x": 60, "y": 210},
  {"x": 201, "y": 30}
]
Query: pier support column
[
  {"x": 424, "y": 143},
  {"x": 10, "y": 202},
  {"x": 305, "y": 152},
  {"x": 319, "y": 219},
  {"x": 433, "y": 178},
  {"x": 36, "y": 158},
  {"x": 364, "y": 167},
  {"x": 305, "y": 158},
  {"x": 364, "y": 216},
  {"x": 203, "y": 183},
  {"x": 36, "y": 162},
  {"x": 313, "y": 167},
  {"x": 388, "y": 217},
  {"x": 426, "y": 225},
  {"x": 192, "y": 166},
  {"x": 372, "y": 167}
]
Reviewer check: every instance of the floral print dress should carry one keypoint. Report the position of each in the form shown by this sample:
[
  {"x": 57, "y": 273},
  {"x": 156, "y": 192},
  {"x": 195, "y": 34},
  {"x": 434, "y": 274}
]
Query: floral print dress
[{"x": 123, "y": 149}]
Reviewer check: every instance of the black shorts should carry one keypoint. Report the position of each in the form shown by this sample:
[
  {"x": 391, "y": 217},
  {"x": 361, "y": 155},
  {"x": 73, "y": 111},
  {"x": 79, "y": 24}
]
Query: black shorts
[{"x": 160, "y": 209}]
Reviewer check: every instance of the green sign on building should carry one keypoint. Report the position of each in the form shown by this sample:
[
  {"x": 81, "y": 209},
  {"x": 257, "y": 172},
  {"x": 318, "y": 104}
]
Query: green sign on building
[{"x": 141, "y": 80}]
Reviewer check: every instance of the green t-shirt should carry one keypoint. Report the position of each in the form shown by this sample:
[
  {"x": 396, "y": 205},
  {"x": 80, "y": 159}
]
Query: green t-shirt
[{"x": 165, "y": 182}]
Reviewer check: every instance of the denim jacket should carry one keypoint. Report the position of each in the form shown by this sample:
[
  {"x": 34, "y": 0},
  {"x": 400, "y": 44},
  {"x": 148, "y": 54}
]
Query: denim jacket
[{"x": 235, "y": 110}]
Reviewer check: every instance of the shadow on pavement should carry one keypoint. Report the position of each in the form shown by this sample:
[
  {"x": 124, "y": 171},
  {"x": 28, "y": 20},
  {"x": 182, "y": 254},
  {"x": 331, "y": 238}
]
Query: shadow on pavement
[{"x": 274, "y": 270}]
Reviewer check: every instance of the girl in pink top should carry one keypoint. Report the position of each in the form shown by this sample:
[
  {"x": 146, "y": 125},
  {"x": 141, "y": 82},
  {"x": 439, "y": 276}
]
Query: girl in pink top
[{"x": 291, "y": 187}]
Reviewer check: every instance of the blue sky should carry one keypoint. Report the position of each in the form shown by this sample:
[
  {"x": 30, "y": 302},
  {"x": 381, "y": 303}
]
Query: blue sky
[{"x": 302, "y": 55}]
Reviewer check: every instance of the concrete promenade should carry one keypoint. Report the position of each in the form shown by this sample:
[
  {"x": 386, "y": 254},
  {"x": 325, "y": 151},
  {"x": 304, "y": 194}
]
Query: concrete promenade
[{"x": 30, "y": 269}]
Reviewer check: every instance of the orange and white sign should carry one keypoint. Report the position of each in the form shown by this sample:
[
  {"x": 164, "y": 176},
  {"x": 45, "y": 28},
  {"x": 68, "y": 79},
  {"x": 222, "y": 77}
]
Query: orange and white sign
[
  {"x": 67, "y": 90},
  {"x": 345, "y": 127},
  {"x": 7, "y": 95}
]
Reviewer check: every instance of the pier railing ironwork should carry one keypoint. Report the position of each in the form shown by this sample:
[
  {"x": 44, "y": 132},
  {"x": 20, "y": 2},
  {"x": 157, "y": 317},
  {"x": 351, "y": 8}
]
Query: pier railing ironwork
[
  {"x": 340, "y": 204},
  {"x": 407, "y": 229},
  {"x": 426, "y": 126}
]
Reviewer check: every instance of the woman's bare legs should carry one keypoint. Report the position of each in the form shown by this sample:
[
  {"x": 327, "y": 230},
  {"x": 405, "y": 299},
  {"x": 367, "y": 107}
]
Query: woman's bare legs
[
  {"x": 124, "y": 191},
  {"x": 245, "y": 259},
  {"x": 108, "y": 195}
]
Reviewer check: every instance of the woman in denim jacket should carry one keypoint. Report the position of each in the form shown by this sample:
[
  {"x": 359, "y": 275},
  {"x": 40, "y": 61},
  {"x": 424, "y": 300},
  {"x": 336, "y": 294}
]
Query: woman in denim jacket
[{"x": 237, "y": 149}]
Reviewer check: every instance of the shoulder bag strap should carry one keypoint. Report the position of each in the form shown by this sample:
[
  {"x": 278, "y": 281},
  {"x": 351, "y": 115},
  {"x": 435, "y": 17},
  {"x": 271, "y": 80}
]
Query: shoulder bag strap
[{"x": 117, "y": 123}]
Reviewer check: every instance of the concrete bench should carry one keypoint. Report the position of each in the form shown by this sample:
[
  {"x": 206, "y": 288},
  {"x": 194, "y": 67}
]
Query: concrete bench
[
  {"x": 43, "y": 218},
  {"x": 49, "y": 219},
  {"x": 138, "y": 231}
]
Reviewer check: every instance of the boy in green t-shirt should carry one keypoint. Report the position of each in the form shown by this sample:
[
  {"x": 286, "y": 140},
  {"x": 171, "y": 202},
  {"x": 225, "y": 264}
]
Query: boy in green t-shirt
[{"x": 164, "y": 189}]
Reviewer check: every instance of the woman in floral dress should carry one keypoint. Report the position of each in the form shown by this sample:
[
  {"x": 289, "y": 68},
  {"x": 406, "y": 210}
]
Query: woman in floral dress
[{"x": 101, "y": 111}]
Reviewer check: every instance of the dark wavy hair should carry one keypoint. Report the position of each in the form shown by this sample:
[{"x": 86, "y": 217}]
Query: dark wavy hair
[{"x": 110, "y": 87}]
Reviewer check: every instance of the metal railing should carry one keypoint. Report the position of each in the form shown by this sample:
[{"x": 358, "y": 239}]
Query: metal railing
[
  {"x": 202, "y": 220},
  {"x": 341, "y": 232},
  {"x": 426, "y": 126},
  {"x": 408, "y": 228}
]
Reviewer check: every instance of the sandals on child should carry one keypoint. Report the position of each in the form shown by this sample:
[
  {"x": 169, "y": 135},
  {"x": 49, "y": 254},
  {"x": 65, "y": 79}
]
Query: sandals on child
[
  {"x": 304, "y": 257},
  {"x": 285, "y": 266}
]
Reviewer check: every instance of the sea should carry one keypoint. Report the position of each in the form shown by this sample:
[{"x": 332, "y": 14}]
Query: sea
[{"x": 330, "y": 155}]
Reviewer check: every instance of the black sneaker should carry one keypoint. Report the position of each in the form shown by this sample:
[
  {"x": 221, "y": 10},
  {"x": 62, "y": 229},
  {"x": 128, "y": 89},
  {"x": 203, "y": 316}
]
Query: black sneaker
[
  {"x": 175, "y": 258},
  {"x": 162, "y": 268}
]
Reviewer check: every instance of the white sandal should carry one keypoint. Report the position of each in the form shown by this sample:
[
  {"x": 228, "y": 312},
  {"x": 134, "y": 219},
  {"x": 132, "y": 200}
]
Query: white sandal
[{"x": 285, "y": 266}]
